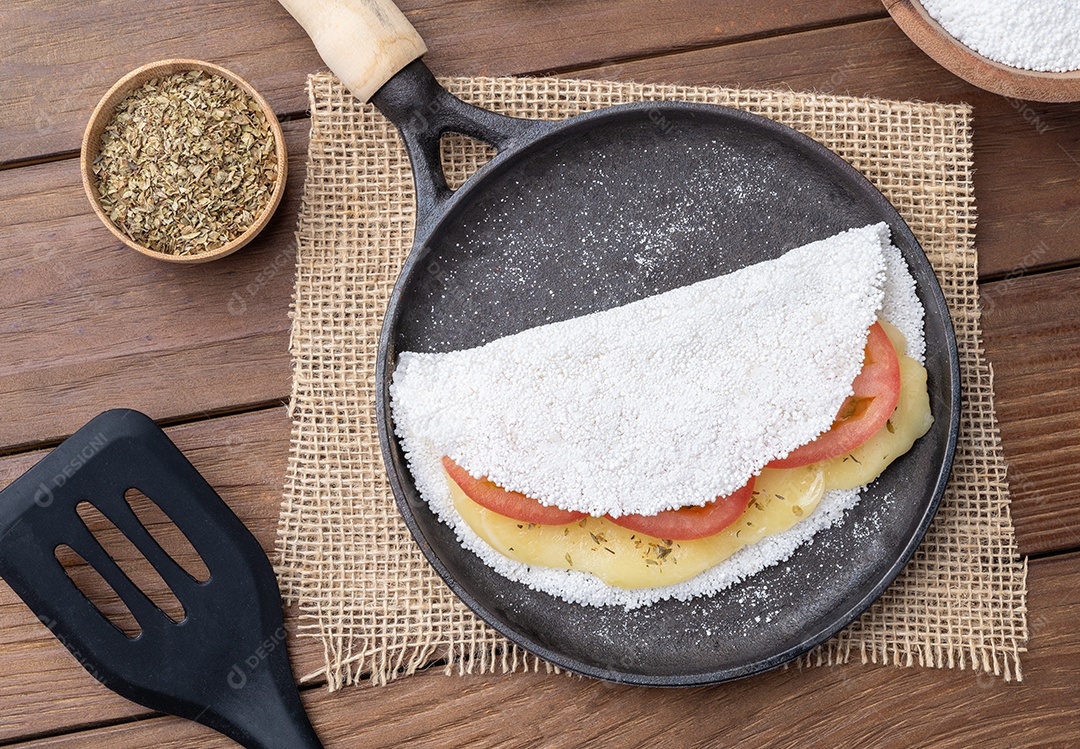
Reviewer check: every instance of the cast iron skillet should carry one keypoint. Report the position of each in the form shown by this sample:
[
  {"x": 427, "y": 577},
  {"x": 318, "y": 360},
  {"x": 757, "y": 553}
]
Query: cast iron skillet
[{"x": 600, "y": 210}]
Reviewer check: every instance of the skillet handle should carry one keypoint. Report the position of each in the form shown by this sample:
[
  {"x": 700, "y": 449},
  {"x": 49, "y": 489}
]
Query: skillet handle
[
  {"x": 424, "y": 111},
  {"x": 364, "y": 42},
  {"x": 375, "y": 51}
]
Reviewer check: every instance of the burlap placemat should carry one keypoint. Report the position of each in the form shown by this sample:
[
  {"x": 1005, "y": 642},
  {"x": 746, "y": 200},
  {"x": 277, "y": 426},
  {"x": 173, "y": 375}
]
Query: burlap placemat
[{"x": 347, "y": 560}]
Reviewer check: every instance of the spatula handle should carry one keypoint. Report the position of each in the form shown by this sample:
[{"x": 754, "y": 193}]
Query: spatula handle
[{"x": 364, "y": 42}]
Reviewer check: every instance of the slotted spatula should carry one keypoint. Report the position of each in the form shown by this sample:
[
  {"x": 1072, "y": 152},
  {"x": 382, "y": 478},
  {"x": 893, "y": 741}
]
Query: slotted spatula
[{"x": 225, "y": 663}]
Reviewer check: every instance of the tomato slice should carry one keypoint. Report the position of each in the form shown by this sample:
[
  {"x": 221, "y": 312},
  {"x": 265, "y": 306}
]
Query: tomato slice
[
  {"x": 691, "y": 522},
  {"x": 877, "y": 391},
  {"x": 514, "y": 505}
]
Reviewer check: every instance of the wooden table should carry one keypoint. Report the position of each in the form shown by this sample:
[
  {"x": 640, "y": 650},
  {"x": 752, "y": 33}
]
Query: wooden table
[{"x": 88, "y": 325}]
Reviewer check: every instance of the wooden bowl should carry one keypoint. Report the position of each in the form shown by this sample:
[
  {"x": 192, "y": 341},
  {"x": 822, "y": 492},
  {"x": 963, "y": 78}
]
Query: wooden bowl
[
  {"x": 980, "y": 71},
  {"x": 103, "y": 114}
]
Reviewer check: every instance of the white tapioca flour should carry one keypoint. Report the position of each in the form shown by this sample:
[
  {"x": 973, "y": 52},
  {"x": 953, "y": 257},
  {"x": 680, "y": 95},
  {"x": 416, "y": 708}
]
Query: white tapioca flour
[
  {"x": 1041, "y": 35},
  {"x": 683, "y": 395}
]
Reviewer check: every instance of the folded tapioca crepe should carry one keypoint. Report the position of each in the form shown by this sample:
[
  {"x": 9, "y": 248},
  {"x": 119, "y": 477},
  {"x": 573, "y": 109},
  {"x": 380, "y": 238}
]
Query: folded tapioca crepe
[{"x": 663, "y": 403}]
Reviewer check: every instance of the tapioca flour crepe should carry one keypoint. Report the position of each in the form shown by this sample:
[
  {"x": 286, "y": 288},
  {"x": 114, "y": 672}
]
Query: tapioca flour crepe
[{"x": 663, "y": 403}]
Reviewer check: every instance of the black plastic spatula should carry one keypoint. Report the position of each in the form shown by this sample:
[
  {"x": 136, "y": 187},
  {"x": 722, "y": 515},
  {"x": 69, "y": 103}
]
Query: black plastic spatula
[{"x": 224, "y": 664}]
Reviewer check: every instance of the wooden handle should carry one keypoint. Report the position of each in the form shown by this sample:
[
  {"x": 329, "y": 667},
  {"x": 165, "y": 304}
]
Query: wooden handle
[{"x": 364, "y": 42}]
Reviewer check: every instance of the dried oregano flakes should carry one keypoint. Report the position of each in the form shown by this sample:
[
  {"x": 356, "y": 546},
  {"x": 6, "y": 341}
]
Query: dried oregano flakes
[{"x": 187, "y": 163}]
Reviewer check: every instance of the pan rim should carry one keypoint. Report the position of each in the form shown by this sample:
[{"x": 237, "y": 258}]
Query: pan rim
[{"x": 932, "y": 295}]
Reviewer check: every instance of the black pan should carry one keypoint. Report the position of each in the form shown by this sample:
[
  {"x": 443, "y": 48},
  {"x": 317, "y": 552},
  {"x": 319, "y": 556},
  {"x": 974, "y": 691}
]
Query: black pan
[{"x": 603, "y": 209}]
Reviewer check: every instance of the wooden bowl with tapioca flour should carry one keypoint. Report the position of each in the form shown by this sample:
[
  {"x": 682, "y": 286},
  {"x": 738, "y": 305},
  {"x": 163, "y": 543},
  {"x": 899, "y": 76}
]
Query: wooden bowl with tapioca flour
[
  {"x": 184, "y": 161},
  {"x": 999, "y": 45}
]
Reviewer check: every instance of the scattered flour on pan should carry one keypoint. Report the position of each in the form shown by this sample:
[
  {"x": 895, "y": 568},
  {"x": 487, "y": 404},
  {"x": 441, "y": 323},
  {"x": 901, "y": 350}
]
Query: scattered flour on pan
[
  {"x": 716, "y": 378},
  {"x": 894, "y": 299}
]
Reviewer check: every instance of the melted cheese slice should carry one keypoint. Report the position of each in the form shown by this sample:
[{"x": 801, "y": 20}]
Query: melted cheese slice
[
  {"x": 628, "y": 559},
  {"x": 631, "y": 560}
]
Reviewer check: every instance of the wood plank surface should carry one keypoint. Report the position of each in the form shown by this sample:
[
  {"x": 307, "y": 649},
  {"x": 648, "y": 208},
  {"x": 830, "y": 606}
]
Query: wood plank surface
[
  {"x": 1027, "y": 155},
  {"x": 244, "y": 458},
  {"x": 90, "y": 324},
  {"x": 43, "y": 689},
  {"x": 60, "y": 59},
  {"x": 1031, "y": 334},
  {"x": 878, "y": 706}
]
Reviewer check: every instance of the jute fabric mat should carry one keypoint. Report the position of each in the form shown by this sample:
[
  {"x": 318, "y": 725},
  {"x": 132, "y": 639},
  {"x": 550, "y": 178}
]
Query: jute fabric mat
[{"x": 346, "y": 558}]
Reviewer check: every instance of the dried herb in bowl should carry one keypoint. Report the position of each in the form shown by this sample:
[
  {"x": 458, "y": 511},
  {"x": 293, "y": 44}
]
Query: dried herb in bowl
[{"x": 187, "y": 163}]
